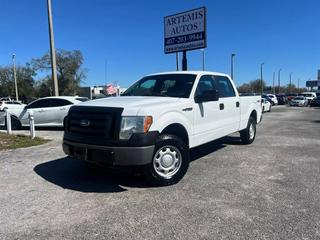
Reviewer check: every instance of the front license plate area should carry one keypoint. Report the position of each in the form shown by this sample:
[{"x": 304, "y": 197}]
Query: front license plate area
[{"x": 80, "y": 153}]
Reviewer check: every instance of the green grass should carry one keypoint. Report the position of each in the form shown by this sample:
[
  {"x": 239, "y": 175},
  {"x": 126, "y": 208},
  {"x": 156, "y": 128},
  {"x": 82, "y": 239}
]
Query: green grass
[{"x": 19, "y": 141}]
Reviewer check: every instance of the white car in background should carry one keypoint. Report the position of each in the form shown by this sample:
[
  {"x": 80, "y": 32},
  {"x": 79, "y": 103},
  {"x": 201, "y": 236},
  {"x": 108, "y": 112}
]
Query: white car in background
[
  {"x": 266, "y": 105},
  {"x": 273, "y": 98},
  {"x": 309, "y": 96},
  {"x": 47, "y": 112},
  {"x": 12, "y": 105}
]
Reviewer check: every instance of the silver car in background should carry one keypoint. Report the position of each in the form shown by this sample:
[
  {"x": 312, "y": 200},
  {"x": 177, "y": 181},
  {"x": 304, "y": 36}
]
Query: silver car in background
[{"x": 299, "y": 101}]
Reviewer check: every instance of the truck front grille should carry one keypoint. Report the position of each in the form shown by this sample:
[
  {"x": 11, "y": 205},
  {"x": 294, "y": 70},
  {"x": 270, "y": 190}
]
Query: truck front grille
[{"x": 94, "y": 121}]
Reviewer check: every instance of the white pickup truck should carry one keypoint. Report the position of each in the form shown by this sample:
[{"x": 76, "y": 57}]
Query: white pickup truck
[{"x": 157, "y": 120}]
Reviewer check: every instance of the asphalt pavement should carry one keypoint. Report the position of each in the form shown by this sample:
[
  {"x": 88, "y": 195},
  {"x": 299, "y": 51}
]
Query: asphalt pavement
[{"x": 267, "y": 190}]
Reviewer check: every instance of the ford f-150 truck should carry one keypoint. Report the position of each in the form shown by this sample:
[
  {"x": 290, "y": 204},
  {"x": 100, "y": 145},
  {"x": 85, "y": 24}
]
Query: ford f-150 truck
[{"x": 157, "y": 120}]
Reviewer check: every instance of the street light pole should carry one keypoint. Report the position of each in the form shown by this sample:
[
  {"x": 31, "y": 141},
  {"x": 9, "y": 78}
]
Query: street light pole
[
  {"x": 232, "y": 65},
  {"x": 52, "y": 51},
  {"x": 15, "y": 76},
  {"x": 290, "y": 82},
  {"x": 261, "y": 77},
  {"x": 279, "y": 80}
]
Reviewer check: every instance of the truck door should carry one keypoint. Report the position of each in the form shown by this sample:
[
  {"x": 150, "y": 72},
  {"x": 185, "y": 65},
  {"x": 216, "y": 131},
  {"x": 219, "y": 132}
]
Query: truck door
[
  {"x": 231, "y": 104},
  {"x": 208, "y": 118}
]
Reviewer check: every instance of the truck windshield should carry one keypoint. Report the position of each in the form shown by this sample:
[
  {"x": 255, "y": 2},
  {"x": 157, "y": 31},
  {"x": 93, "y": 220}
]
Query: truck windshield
[{"x": 164, "y": 85}]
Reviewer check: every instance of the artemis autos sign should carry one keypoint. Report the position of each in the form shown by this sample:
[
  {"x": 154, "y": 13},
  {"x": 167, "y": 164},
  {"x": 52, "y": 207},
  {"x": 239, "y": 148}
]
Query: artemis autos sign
[{"x": 185, "y": 31}]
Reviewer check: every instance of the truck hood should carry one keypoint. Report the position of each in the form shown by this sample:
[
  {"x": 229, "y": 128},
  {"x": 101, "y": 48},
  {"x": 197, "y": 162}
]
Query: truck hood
[{"x": 130, "y": 104}]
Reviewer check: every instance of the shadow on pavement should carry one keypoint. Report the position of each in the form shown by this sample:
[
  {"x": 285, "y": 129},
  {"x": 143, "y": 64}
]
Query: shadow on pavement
[
  {"x": 77, "y": 175},
  {"x": 211, "y": 147}
]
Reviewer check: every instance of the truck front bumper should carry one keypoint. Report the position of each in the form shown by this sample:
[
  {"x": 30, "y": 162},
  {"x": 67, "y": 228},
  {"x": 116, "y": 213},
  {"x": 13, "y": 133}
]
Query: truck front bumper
[
  {"x": 138, "y": 150},
  {"x": 109, "y": 156}
]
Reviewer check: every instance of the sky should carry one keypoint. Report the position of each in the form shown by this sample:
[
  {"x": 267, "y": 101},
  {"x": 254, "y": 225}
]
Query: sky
[{"x": 122, "y": 40}]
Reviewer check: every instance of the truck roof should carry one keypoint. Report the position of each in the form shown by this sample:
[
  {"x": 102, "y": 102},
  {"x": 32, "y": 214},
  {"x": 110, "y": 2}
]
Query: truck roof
[{"x": 191, "y": 72}]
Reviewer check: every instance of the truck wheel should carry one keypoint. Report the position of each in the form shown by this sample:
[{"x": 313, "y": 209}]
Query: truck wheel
[
  {"x": 64, "y": 123},
  {"x": 170, "y": 161},
  {"x": 248, "y": 134}
]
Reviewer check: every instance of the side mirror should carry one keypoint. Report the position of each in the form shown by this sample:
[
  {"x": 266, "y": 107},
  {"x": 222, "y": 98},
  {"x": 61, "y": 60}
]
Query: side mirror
[{"x": 207, "y": 96}]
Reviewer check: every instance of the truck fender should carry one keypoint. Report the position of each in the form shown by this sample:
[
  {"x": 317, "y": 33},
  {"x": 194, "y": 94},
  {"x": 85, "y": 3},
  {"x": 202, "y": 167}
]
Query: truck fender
[{"x": 172, "y": 118}]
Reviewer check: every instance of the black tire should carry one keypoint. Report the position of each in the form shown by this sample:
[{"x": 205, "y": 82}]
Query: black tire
[
  {"x": 175, "y": 148},
  {"x": 262, "y": 109},
  {"x": 15, "y": 123},
  {"x": 64, "y": 123},
  {"x": 245, "y": 135},
  {"x": 269, "y": 109}
]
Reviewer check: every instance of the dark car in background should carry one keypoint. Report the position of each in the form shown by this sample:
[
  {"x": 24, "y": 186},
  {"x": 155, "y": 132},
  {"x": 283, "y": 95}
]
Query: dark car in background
[
  {"x": 315, "y": 102},
  {"x": 267, "y": 98},
  {"x": 281, "y": 99}
]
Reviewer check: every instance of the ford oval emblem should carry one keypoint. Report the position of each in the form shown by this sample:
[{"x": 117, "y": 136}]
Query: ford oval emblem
[{"x": 85, "y": 123}]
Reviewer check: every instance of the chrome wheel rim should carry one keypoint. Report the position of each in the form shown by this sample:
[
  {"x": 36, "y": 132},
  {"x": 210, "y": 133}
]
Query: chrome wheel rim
[
  {"x": 251, "y": 131},
  {"x": 167, "y": 161}
]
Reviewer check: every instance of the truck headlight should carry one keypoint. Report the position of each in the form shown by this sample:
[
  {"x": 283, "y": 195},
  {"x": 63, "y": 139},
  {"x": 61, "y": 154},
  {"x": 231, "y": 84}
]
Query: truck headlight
[{"x": 133, "y": 124}]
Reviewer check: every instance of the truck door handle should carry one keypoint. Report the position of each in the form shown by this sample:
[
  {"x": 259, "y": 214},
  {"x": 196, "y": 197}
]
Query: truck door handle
[
  {"x": 237, "y": 104},
  {"x": 221, "y": 106}
]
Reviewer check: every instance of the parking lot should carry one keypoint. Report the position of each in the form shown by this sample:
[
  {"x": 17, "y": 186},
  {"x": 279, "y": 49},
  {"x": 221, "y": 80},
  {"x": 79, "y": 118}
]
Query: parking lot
[{"x": 266, "y": 190}]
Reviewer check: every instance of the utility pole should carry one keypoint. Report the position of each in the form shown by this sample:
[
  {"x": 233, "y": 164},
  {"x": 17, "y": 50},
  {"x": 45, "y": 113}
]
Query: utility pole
[
  {"x": 52, "y": 51},
  {"x": 273, "y": 79},
  {"x": 298, "y": 85},
  {"x": 279, "y": 80},
  {"x": 261, "y": 77},
  {"x": 15, "y": 76},
  {"x": 232, "y": 65}
]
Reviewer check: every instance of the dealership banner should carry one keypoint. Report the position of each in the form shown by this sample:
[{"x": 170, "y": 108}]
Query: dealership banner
[
  {"x": 315, "y": 83},
  {"x": 185, "y": 31}
]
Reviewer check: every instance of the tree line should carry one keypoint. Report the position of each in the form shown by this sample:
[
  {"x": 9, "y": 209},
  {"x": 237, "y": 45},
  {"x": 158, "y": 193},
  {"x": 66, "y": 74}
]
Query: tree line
[
  {"x": 34, "y": 77},
  {"x": 254, "y": 86}
]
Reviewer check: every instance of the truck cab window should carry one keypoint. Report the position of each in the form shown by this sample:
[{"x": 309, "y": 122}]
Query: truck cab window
[
  {"x": 225, "y": 87},
  {"x": 206, "y": 83}
]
